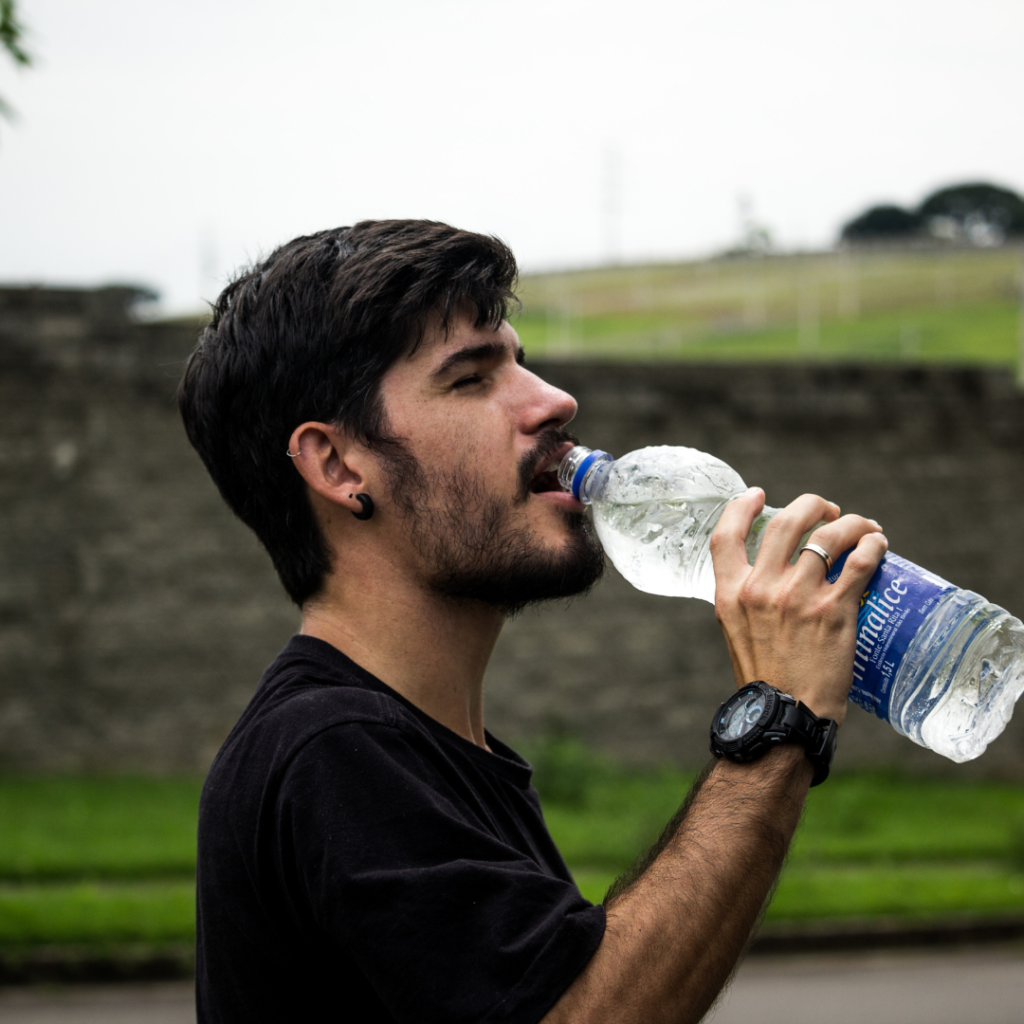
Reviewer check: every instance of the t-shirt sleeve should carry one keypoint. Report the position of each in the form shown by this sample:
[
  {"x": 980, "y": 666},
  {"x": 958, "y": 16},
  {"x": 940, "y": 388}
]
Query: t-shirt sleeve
[{"x": 400, "y": 865}]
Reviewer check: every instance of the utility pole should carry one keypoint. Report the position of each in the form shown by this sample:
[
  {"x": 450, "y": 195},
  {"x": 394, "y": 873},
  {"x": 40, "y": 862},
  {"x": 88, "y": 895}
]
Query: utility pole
[{"x": 611, "y": 203}]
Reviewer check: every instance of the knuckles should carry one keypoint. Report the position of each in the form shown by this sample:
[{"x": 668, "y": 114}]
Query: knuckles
[
  {"x": 727, "y": 603},
  {"x": 860, "y": 564},
  {"x": 786, "y": 602},
  {"x": 844, "y": 532},
  {"x": 815, "y": 499},
  {"x": 798, "y": 512},
  {"x": 718, "y": 542},
  {"x": 795, "y": 605},
  {"x": 754, "y": 595}
]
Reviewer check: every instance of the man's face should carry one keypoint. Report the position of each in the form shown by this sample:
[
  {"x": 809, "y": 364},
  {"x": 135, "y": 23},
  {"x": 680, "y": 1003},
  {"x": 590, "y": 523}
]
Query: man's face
[{"x": 479, "y": 505}]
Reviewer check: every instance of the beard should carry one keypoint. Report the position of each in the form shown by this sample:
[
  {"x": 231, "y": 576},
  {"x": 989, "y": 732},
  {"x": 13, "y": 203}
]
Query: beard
[{"x": 479, "y": 547}]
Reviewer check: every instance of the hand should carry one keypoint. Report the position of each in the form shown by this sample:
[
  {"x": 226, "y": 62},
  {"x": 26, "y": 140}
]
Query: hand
[{"x": 786, "y": 624}]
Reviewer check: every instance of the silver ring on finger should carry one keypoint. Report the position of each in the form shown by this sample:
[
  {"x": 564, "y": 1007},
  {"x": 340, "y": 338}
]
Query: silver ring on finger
[{"x": 821, "y": 553}]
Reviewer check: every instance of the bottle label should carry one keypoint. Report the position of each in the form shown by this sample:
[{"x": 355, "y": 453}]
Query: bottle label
[{"x": 899, "y": 597}]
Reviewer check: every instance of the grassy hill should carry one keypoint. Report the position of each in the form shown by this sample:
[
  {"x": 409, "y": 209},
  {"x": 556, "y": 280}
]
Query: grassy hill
[{"x": 955, "y": 306}]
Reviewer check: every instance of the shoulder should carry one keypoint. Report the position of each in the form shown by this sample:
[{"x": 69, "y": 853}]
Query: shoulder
[
  {"x": 311, "y": 688},
  {"x": 309, "y": 716},
  {"x": 310, "y": 691},
  {"x": 315, "y": 742},
  {"x": 309, "y": 711}
]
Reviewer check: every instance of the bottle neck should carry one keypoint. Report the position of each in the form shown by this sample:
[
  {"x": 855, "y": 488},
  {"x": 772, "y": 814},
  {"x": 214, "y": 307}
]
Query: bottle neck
[{"x": 581, "y": 470}]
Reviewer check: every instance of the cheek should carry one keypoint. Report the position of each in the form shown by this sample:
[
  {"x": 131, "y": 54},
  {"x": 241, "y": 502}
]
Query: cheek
[
  {"x": 448, "y": 443},
  {"x": 475, "y": 436},
  {"x": 480, "y": 432}
]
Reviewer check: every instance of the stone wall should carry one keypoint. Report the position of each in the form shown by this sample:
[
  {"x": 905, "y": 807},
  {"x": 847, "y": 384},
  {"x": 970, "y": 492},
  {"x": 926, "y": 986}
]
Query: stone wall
[{"x": 136, "y": 613}]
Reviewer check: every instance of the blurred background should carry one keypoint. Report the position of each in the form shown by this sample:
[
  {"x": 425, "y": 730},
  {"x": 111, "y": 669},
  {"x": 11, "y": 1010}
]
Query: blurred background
[
  {"x": 166, "y": 144},
  {"x": 789, "y": 234}
]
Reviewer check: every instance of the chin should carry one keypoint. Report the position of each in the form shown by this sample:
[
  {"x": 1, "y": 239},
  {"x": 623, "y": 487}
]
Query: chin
[{"x": 527, "y": 570}]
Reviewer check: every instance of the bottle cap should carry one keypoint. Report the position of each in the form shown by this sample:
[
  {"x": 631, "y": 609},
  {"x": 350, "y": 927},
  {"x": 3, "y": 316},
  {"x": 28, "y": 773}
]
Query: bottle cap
[{"x": 581, "y": 470}]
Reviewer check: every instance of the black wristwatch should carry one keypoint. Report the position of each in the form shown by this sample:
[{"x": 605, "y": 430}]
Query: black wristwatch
[{"x": 758, "y": 717}]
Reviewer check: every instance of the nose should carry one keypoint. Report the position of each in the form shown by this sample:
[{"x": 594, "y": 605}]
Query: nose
[{"x": 548, "y": 406}]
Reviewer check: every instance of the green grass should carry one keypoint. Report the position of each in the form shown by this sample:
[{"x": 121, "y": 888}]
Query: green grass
[
  {"x": 92, "y": 861},
  {"x": 876, "y": 818},
  {"x": 869, "y": 844},
  {"x": 85, "y": 913},
  {"x": 858, "y": 890},
  {"x": 97, "y": 827},
  {"x": 868, "y": 817},
  {"x": 977, "y": 334},
  {"x": 97, "y": 861}
]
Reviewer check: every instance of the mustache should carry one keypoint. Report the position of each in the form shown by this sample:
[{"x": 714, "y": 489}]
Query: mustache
[{"x": 549, "y": 441}]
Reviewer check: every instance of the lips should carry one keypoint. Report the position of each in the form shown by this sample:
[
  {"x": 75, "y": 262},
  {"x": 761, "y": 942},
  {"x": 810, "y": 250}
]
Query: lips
[{"x": 545, "y": 477}]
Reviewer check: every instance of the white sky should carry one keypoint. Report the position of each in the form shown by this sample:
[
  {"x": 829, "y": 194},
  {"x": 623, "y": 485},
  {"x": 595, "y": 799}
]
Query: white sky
[{"x": 167, "y": 142}]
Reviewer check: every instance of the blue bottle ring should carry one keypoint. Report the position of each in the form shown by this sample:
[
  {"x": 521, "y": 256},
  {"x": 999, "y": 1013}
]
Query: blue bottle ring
[{"x": 581, "y": 470}]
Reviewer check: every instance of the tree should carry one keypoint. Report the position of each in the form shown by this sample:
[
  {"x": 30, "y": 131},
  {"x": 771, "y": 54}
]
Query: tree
[
  {"x": 12, "y": 32},
  {"x": 976, "y": 212},
  {"x": 882, "y": 223},
  {"x": 981, "y": 213}
]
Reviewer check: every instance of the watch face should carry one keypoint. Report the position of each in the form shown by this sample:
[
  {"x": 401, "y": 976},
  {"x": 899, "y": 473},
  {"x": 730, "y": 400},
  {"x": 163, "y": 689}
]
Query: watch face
[{"x": 741, "y": 717}]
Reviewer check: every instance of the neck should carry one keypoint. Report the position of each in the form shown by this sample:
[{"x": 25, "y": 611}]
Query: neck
[{"x": 431, "y": 650}]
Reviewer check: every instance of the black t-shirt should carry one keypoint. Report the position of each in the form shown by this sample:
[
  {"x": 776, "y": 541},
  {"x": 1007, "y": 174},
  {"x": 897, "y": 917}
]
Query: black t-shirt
[{"x": 360, "y": 862}]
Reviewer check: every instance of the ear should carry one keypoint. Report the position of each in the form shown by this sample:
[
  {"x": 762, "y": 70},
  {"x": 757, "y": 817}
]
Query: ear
[{"x": 331, "y": 462}]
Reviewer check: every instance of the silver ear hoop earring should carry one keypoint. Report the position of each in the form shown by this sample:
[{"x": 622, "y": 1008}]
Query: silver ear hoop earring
[{"x": 293, "y": 455}]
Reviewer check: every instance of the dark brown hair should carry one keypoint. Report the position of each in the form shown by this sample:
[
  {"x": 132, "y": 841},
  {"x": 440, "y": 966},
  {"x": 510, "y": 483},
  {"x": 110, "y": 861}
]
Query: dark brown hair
[{"x": 307, "y": 334}]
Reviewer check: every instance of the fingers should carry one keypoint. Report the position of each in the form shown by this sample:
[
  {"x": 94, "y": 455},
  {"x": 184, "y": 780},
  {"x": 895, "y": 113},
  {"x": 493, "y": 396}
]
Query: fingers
[
  {"x": 728, "y": 542},
  {"x": 785, "y": 530},
  {"x": 835, "y": 538},
  {"x": 783, "y": 622},
  {"x": 861, "y": 564}
]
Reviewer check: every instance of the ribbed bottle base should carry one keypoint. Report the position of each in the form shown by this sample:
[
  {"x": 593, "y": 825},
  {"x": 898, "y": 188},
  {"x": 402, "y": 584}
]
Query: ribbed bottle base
[{"x": 961, "y": 678}]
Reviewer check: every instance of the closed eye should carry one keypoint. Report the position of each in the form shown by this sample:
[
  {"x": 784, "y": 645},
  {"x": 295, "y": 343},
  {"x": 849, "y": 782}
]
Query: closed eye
[{"x": 484, "y": 356}]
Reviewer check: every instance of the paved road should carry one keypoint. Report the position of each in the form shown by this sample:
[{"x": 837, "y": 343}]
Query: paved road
[
  {"x": 977, "y": 987},
  {"x": 99, "y": 1004},
  {"x": 983, "y": 986}
]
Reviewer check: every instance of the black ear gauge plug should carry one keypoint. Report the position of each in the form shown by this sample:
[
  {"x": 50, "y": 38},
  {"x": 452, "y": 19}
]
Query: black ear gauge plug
[{"x": 367, "y": 502}]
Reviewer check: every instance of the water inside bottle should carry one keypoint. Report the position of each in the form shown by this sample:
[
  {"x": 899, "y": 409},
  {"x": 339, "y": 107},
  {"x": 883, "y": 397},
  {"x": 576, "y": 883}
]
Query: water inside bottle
[
  {"x": 656, "y": 513},
  {"x": 957, "y": 685}
]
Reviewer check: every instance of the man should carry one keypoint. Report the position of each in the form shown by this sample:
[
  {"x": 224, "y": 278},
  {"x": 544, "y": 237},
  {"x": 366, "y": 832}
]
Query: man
[{"x": 367, "y": 851}]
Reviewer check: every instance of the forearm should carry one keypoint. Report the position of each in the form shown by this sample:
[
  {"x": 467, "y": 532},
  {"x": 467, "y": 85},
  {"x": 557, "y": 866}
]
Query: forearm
[{"x": 675, "y": 933}]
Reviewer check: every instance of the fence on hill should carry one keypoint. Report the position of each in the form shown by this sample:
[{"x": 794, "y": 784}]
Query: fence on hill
[{"x": 675, "y": 308}]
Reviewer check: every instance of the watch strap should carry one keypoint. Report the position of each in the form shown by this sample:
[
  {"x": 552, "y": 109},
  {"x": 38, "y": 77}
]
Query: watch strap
[
  {"x": 816, "y": 735},
  {"x": 792, "y": 722}
]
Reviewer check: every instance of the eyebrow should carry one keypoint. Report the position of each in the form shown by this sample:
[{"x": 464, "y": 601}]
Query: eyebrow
[{"x": 485, "y": 351}]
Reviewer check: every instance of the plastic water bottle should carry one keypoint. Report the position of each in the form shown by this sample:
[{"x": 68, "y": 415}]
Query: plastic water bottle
[{"x": 942, "y": 665}]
